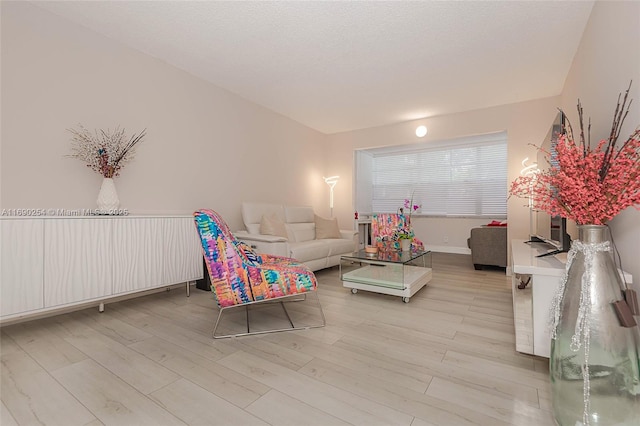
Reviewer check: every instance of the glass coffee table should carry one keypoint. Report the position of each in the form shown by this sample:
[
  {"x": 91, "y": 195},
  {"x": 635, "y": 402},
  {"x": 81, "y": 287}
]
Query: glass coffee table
[{"x": 393, "y": 272}]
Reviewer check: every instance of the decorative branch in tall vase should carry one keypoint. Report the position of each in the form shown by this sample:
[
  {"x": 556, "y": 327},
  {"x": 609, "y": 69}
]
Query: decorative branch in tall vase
[
  {"x": 106, "y": 153},
  {"x": 595, "y": 348}
]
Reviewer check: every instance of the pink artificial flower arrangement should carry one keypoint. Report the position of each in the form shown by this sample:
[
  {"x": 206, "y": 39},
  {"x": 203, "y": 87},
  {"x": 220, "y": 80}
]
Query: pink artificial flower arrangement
[
  {"x": 406, "y": 231},
  {"x": 408, "y": 204},
  {"x": 410, "y": 207},
  {"x": 587, "y": 185}
]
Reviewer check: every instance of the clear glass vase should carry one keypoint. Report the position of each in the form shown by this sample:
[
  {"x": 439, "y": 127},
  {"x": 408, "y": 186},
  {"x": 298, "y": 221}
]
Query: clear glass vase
[{"x": 594, "y": 368}]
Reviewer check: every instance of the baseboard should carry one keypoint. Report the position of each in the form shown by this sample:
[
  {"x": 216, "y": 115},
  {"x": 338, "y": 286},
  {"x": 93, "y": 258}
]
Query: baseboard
[
  {"x": 49, "y": 312},
  {"x": 449, "y": 249}
]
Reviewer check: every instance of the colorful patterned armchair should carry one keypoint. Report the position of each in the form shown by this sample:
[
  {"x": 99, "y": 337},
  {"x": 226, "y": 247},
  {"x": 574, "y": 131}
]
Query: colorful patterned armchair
[
  {"x": 240, "y": 277},
  {"x": 385, "y": 228}
]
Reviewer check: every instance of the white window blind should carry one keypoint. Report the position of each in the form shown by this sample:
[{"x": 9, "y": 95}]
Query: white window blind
[{"x": 465, "y": 177}]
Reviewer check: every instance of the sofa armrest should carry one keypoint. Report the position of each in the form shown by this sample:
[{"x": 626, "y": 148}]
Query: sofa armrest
[
  {"x": 244, "y": 235},
  {"x": 348, "y": 234},
  {"x": 265, "y": 244}
]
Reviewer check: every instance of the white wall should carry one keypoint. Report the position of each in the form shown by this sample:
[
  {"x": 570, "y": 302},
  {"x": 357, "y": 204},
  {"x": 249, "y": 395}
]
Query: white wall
[
  {"x": 607, "y": 59},
  {"x": 526, "y": 123},
  {"x": 205, "y": 147}
]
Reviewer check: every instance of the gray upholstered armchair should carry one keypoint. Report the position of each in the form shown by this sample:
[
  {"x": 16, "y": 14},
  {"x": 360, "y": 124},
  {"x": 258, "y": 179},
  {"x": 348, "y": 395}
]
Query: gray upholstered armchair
[{"x": 488, "y": 246}]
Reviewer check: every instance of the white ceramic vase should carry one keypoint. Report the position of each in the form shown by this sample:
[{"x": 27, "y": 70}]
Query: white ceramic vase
[
  {"x": 108, "y": 197},
  {"x": 405, "y": 244}
]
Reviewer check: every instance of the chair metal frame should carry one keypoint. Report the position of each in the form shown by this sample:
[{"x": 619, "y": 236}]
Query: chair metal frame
[{"x": 298, "y": 297}]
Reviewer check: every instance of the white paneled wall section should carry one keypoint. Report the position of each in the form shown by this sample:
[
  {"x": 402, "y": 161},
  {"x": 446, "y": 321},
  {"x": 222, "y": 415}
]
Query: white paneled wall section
[
  {"x": 21, "y": 243},
  {"x": 52, "y": 262}
]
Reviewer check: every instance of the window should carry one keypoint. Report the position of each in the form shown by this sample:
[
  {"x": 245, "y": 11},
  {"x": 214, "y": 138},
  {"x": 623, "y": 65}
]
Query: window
[{"x": 461, "y": 177}]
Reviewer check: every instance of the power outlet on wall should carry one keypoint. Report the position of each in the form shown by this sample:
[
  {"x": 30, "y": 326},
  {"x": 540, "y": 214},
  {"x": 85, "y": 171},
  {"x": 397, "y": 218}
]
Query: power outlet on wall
[{"x": 445, "y": 239}]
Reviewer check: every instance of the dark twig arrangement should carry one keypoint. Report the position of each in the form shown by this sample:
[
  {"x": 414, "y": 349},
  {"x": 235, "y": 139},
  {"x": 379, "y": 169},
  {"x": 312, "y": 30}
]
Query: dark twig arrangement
[
  {"x": 105, "y": 152},
  {"x": 618, "y": 119}
]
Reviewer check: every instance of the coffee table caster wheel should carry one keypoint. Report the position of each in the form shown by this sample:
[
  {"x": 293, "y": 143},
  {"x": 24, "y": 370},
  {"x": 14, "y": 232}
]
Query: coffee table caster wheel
[
  {"x": 354, "y": 290},
  {"x": 405, "y": 299}
]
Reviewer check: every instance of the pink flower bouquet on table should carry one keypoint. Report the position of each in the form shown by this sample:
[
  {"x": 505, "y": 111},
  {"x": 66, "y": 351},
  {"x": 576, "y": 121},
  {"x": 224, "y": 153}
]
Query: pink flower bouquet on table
[
  {"x": 410, "y": 207},
  {"x": 408, "y": 204}
]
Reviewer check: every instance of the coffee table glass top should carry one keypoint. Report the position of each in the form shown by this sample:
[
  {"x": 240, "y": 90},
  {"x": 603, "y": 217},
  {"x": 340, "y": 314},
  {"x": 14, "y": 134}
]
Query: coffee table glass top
[{"x": 388, "y": 256}]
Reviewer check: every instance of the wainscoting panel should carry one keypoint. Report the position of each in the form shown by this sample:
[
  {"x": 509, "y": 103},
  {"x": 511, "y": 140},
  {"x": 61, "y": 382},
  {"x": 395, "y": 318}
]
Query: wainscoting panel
[
  {"x": 138, "y": 254},
  {"x": 21, "y": 265},
  {"x": 78, "y": 262},
  {"x": 180, "y": 241}
]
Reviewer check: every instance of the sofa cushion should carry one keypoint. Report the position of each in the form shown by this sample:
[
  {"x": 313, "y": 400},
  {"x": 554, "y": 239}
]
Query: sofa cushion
[
  {"x": 253, "y": 228},
  {"x": 340, "y": 246},
  {"x": 272, "y": 225},
  {"x": 326, "y": 228},
  {"x": 309, "y": 250},
  {"x": 252, "y": 214},
  {"x": 298, "y": 214},
  {"x": 299, "y": 232}
]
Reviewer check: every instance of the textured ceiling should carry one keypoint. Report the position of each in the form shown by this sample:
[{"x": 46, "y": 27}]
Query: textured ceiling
[{"x": 338, "y": 66}]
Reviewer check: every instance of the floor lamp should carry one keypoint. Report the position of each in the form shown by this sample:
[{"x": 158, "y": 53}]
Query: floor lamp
[
  {"x": 331, "y": 181},
  {"x": 530, "y": 170}
]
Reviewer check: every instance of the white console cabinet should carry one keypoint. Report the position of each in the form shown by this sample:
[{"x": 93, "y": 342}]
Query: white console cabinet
[
  {"x": 531, "y": 305},
  {"x": 48, "y": 263}
]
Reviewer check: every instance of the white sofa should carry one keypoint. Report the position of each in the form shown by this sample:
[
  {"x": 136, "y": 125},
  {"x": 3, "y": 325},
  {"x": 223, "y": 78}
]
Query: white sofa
[{"x": 300, "y": 242}]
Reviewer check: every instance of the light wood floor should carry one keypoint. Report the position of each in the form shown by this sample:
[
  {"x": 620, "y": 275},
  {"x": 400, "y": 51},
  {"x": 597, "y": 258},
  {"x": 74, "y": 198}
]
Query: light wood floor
[{"x": 445, "y": 358}]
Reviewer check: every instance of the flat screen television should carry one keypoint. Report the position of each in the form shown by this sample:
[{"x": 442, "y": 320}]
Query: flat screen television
[{"x": 552, "y": 230}]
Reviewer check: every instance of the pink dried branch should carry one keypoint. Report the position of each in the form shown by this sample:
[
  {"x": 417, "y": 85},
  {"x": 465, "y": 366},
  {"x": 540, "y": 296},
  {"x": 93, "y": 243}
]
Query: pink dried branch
[{"x": 588, "y": 185}]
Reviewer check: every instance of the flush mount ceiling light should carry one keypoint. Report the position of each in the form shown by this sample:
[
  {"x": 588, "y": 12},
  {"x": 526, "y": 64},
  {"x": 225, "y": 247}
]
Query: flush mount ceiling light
[{"x": 421, "y": 131}]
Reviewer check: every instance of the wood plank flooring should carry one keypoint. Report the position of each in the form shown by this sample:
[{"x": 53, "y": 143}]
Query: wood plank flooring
[{"x": 446, "y": 358}]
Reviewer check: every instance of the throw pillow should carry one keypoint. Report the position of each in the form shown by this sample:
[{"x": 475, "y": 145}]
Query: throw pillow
[
  {"x": 271, "y": 225},
  {"x": 497, "y": 223},
  {"x": 327, "y": 228}
]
